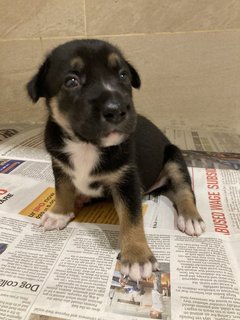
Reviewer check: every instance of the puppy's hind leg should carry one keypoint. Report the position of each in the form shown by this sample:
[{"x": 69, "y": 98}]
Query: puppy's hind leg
[
  {"x": 179, "y": 191},
  {"x": 63, "y": 210}
]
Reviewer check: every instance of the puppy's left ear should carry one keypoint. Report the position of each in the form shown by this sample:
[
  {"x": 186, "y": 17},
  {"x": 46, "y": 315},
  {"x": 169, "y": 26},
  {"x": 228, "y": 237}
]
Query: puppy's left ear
[
  {"x": 136, "y": 81},
  {"x": 36, "y": 87}
]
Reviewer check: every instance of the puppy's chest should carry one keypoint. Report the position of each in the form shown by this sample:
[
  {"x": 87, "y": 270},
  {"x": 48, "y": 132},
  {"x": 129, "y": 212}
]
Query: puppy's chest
[{"x": 84, "y": 158}]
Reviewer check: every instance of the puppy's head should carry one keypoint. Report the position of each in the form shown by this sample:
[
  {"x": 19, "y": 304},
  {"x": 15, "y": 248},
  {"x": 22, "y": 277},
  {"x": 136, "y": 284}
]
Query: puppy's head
[{"x": 88, "y": 89}]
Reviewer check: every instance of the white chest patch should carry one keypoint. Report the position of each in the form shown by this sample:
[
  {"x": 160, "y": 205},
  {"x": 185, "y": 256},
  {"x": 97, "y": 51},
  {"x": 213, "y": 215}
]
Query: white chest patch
[{"x": 84, "y": 157}]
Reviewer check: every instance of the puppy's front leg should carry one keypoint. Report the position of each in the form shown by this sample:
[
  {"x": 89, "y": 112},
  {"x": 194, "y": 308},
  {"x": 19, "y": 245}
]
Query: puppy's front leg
[
  {"x": 137, "y": 260},
  {"x": 63, "y": 211}
]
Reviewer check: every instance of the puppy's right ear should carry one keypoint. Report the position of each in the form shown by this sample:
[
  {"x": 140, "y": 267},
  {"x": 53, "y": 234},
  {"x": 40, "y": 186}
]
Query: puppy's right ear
[
  {"x": 136, "y": 81},
  {"x": 36, "y": 88}
]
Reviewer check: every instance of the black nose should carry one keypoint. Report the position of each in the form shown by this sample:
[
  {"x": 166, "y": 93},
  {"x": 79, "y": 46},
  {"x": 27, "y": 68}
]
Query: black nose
[{"x": 114, "y": 112}]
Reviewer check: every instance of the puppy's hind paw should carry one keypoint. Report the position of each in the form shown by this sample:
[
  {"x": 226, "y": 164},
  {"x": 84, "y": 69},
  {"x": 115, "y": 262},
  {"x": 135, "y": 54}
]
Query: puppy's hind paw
[
  {"x": 50, "y": 221},
  {"x": 192, "y": 227}
]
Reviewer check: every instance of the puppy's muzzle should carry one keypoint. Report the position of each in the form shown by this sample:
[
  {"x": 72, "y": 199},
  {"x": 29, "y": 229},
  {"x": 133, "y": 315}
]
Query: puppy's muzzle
[{"x": 115, "y": 111}]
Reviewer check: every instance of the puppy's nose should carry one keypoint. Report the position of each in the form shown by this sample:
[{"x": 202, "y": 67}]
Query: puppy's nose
[{"x": 114, "y": 112}]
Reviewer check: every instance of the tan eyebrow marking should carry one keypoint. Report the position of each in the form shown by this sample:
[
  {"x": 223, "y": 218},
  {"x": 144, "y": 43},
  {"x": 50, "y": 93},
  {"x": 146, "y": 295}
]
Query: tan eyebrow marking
[
  {"x": 113, "y": 59},
  {"x": 77, "y": 62}
]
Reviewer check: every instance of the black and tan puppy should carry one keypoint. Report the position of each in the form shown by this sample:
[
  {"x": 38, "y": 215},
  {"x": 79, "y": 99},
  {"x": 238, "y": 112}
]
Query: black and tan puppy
[{"x": 100, "y": 147}]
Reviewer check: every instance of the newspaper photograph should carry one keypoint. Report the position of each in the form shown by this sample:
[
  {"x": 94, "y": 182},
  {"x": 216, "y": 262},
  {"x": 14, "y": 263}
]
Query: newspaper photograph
[{"x": 149, "y": 298}]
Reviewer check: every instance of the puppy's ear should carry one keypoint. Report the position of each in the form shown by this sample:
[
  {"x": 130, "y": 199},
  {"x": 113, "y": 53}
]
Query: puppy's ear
[
  {"x": 36, "y": 88},
  {"x": 136, "y": 81}
]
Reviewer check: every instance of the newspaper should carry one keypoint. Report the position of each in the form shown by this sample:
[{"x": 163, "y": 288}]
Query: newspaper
[
  {"x": 204, "y": 140},
  {"x": 9, "y": 130},
  {"x": 205, "y": 159},
  {"x": 75, "y": 273},
  {"x": 26, "y": 145}
]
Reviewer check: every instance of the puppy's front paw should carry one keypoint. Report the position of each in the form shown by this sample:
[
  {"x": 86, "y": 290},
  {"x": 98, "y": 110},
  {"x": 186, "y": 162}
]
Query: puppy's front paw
[
  {"x": 192, "y": 227},
  {"x": 138, "y": 263},
  {"x": 51, "y": 221}
]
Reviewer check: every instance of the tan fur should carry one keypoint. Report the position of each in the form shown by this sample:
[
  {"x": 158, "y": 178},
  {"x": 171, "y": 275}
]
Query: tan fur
[
  {"x": 113, "y": 177},
  {"x": 134, "y": 247},
  {"x": 65, "y": 197},
  {"x": 187, "y": 208},
  {"x": 172, "y": 170},
  {"x": 185, "y": 203},
  {"x": 182, "y": 197},
  {"x": 77, "y": 62},
  {"x": 113, "y": 59},
  {"x": 59, "y": 117},
  {"x": 64, "y": 167}
]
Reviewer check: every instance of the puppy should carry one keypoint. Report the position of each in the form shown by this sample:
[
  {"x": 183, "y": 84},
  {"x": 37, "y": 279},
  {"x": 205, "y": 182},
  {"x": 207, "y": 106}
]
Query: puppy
[{"x": 100, "y": 146}]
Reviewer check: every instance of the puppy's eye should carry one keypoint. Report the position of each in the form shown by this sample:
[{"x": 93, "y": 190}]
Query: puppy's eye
[
  {"x": 72, "y": 82},
  {"x": 123, "y": 75}
]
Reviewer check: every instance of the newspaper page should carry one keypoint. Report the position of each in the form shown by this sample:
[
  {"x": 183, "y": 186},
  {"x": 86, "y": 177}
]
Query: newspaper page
[
  {"x": 27, "y": 145},
  {"x": 205, "y": 277},
  {"x": 204, "y": 140},
  {"x": 8, "y": 130},
  {"x": 33, "y": 169},
  {"x": 25, "y": 196},
  {"x": 74, "y": 274}
]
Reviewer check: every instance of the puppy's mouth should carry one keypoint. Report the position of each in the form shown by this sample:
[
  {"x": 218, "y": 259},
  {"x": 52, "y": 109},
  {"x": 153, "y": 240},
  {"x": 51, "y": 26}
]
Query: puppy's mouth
[
  {"x": 112, "y": 138},
  {"x": 104, "y": 134},
  {"x": 115, "y": 135}
]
